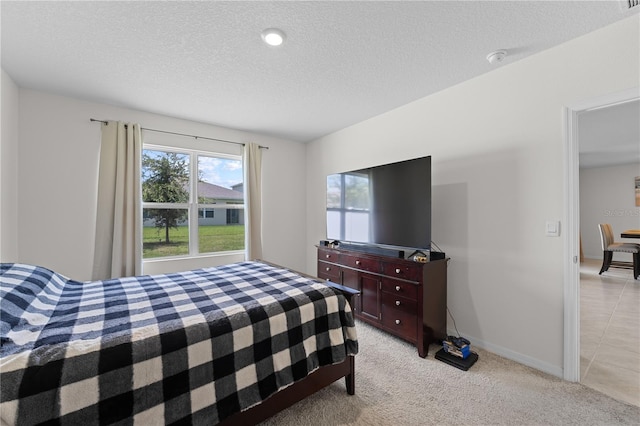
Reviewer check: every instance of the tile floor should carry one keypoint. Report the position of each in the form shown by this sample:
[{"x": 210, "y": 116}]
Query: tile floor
[{"x": 610, "y": 331}]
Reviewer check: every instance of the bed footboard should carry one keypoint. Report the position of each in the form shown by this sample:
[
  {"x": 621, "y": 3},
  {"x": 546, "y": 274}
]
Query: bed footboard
[{"x": 287, "y": 397}]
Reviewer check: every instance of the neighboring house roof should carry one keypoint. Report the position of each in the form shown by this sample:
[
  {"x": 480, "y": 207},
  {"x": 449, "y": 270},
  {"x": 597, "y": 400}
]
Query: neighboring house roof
[{"x": 209, "y": 190}]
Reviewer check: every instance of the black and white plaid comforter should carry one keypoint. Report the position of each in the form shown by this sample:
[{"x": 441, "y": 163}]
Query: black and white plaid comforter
[{"x": 190, "y": 347}]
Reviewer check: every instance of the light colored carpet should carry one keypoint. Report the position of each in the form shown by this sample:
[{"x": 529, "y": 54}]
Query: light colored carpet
[{"x": 394, "y": 386}]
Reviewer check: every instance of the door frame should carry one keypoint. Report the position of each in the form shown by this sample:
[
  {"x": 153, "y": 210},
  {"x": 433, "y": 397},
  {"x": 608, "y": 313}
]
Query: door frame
[{"x": 571, "y": 361}]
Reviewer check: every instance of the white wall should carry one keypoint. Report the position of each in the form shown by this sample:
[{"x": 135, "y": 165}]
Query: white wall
[
  {"x": 497, "y": 150},
  {"x": 607, "y": 195},
  {"x": 9, "y": 170},
  {"x": 57, "y": 181}
]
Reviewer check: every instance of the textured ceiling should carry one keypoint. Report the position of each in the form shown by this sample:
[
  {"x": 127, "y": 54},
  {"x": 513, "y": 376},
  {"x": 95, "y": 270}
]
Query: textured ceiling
[{"x": 342, "y": 62}]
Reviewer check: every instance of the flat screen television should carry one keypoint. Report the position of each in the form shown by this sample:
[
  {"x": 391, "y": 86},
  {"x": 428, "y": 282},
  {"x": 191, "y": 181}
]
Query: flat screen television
[{"x": 386, "y": 205}]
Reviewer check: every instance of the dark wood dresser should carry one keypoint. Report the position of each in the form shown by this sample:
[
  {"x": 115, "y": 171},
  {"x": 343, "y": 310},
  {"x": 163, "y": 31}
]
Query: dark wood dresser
[{"x": 402, "y": 297}]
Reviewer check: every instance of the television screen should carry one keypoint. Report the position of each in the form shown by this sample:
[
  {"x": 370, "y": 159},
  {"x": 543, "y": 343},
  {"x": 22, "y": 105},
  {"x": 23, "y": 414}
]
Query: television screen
[{"x": 387, "y": 205}]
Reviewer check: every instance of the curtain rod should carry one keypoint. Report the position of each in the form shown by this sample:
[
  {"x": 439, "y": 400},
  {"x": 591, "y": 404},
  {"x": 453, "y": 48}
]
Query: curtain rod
[{"x": 182, "y": 134}]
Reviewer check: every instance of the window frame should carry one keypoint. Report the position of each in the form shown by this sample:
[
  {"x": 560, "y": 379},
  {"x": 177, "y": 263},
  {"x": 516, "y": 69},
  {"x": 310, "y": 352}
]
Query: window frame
[{"x": 193, "y": 205}]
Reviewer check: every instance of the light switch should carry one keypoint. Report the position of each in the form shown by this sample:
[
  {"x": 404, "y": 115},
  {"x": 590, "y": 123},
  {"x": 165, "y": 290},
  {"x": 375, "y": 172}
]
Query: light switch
[{"x": 553, "y": 228}]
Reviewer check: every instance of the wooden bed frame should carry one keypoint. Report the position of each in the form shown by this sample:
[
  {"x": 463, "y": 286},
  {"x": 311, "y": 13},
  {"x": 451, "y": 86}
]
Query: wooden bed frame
[
  {"x": 311, "y": 384},
  {"x": 287, "y": 397}
]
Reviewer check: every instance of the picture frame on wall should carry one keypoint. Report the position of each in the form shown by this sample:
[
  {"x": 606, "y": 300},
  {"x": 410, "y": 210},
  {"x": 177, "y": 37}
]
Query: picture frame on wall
[{"x": 637, "y": 186}]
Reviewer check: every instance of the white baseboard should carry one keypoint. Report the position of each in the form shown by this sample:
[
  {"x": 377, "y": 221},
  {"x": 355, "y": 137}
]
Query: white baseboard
[{"x": 545, "y": 367}]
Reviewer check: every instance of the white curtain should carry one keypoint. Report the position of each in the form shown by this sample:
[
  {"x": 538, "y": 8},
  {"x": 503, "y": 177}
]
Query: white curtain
[
  {"x": 118, "y": 248},
  {"x": 253, "y": 200}
]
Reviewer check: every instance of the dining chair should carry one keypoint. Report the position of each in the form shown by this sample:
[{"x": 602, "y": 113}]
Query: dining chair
[{"x": 609, "y": 246}]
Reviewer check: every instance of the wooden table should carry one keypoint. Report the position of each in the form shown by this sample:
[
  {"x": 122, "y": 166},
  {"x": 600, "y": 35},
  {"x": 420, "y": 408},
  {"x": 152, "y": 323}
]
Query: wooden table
[{"x": 631, "y": 233}]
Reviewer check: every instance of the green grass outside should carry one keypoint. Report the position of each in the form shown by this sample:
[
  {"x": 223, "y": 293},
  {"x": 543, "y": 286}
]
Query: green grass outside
[{"x": 212, "y": 238}]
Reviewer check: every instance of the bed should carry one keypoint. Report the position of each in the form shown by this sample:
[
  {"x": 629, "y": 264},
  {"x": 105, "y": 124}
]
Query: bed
[{"x": 227, "y": 345}]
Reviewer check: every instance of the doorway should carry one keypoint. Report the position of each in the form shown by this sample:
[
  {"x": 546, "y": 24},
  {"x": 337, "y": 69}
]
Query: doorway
[{"x": 572, "y": 306}]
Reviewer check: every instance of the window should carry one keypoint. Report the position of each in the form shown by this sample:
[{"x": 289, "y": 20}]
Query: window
[
  {"x": 205, "y": 213},
  {"x": 191, "y": 202}
]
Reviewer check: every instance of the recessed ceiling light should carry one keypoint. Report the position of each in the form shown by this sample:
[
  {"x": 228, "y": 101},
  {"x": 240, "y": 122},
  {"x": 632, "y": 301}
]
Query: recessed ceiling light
[{"x": 273, "y": 36}]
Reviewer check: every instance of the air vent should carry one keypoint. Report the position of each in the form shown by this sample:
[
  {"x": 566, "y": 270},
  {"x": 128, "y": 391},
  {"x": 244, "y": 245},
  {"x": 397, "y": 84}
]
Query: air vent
[{"x": 630, "y": 4}]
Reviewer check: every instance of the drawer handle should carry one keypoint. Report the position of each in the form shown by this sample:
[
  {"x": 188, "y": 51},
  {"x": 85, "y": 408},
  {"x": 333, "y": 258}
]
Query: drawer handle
[
  {"x": 397, "y": 303},
  {"x": 328, "y": 256},
  {"x": 328, "y": 269},
  {"x": 397, "y": 322},
  {"x": 357, "y": 262},
  {"x": 397, "y": 288},
  {"x": 398, "y": 270}
]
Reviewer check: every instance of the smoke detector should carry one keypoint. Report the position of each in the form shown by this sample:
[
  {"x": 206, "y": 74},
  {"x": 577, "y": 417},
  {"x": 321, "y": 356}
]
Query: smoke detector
[{"x": 496, "y": 57}]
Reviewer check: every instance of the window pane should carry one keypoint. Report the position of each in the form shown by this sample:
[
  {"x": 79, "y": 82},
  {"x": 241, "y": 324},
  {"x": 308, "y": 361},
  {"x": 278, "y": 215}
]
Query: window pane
[
  {"x": 219, "y": 180},
  {"x": 165, "y": 232},
  {"x": 165, "y": 177}
]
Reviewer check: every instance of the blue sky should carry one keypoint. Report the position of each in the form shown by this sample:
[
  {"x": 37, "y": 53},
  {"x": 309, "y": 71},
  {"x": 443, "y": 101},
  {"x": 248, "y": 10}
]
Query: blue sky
[{"x": 220, "y": 171}]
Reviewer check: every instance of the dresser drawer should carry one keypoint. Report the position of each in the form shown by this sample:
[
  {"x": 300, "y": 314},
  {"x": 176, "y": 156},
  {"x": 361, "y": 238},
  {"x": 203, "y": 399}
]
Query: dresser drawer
[
  {"x": 400, "y": 288},
  {"x": 328, "y": 255},
  {"x": 399, "y": 322},
  {"x": 406, "y": 271},
  {"x": 328, "y": 271},
  {"x": 362, "y": 263},
  {"x": 400, "y": 303}
]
